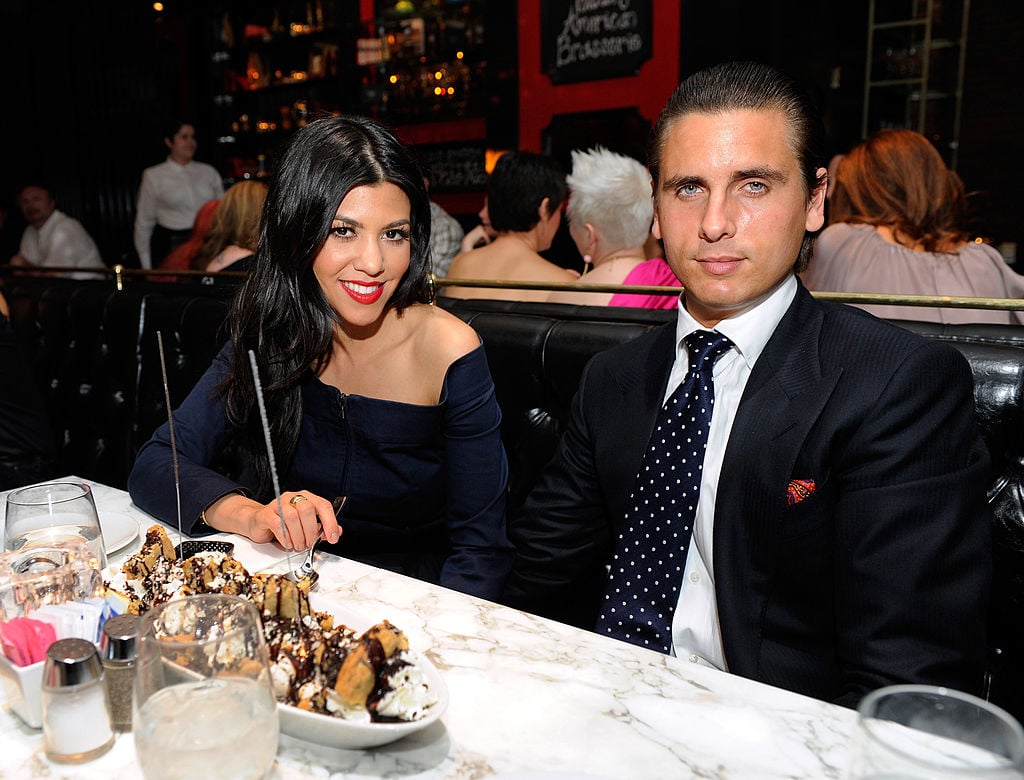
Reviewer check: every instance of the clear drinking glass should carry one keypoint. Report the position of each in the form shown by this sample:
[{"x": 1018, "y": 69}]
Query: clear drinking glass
[
  {"x": 203, "y": 704},
  {"x": 928, "y": 733},
  {"x": 47, "y": 514}
]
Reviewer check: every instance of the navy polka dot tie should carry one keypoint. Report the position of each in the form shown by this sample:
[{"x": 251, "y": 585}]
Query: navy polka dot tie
[{"x": 647, "y": 571}]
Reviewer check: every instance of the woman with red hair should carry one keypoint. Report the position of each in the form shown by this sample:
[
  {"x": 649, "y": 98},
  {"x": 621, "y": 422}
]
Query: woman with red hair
[
  {"x": 180, "y": 259},
  {"x": 896, "y": 226}
]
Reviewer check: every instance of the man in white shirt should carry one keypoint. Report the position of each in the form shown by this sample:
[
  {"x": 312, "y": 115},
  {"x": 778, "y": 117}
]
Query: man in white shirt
[
  {"x": 52, "y": 239},
  {"x": 171, "y": 195},
  {"x": 816, "y": 519}
]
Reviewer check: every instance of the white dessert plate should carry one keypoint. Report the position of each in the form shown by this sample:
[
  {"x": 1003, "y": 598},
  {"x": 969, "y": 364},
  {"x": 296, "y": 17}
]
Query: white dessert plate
[
  {"x": 118, "y": 530},
  {"x": 340, "y": 733}
]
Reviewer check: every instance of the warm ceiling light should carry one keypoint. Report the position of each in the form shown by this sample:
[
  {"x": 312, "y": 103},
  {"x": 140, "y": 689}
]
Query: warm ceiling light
[{"x": 158, "y": 6}]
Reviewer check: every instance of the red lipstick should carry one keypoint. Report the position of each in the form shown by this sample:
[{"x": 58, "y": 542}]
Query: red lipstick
[{"x": 364, "y": 292}]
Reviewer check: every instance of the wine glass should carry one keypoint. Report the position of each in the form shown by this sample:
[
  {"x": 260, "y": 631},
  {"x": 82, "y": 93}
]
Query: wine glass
[
  {"x": 203, "y": 704},
  {"x": 50, "y": 513},
  {"x": 927, "y": 732}
]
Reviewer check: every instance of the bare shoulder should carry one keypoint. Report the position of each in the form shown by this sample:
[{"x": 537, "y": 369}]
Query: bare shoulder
[
  {"x": 462, "y": 263},
  {"x": 546, "y": 271},
  {"x": 440, "y": 335},
  {"x": 608, "y": 273}
]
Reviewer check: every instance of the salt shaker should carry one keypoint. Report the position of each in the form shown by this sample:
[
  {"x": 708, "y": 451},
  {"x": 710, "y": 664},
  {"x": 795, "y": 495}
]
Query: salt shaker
[
  {"x": 76, "y": 711},
  {"x": 117, "y": 651}
]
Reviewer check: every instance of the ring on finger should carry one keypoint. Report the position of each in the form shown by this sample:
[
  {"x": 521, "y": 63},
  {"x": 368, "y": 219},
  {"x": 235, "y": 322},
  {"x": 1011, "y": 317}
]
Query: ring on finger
[{"x": 297, "y": 499}]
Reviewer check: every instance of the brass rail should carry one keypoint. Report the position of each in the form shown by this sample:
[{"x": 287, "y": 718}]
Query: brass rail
[
  {"x": 120, "y": 273},
  {"x": 948, "y": 301}
]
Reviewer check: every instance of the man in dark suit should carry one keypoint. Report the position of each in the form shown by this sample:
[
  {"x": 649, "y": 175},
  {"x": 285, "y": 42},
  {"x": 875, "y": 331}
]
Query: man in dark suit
[{"x": 841, "y": 540}]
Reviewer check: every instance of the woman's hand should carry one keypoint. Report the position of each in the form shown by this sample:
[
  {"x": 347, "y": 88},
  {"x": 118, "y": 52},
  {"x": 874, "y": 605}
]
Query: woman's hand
[{"x": 304, "y": 514}]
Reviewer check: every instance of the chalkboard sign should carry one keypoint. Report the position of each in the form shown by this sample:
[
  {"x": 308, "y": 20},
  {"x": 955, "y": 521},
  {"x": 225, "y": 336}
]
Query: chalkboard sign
[
  {"x": 455, "y": 167},
  {"x": 584, "y": 40}
]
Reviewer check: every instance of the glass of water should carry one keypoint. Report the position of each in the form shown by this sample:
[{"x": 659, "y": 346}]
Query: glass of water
[
  {"x": 47, "y": 514},
  {"x": 203, "y": 704},
  {"x": 927, "y": 732}
]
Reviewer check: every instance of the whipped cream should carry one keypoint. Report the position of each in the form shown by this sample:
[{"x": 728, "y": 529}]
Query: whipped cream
[{"x": 408, "y": 696}]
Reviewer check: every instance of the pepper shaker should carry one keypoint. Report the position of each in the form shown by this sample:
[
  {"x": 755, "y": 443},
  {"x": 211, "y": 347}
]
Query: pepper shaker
[
  {"x": 76, "y": 711},
  {"x": 117, "y": 650}
]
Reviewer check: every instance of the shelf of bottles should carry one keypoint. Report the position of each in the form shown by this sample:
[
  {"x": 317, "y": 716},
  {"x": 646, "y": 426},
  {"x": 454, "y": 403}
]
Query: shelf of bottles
[
  {"x": 273, "y": 68},
  {"x": 277, "y": 65},
  {"x": 423, "y": 62}
]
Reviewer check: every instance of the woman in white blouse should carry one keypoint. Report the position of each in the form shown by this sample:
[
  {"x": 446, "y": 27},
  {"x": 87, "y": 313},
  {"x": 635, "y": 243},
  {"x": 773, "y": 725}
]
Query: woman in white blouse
[{"x": 171, "y": 194}]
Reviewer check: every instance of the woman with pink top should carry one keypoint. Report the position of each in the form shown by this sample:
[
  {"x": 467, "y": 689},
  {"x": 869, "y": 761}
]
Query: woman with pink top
[{"x": 610, "y": 213}]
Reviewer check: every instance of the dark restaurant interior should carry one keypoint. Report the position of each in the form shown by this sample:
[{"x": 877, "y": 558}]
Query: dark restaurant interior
[
  {"x": 88, "y": 85},
  {"x": 109, "y": 357}
]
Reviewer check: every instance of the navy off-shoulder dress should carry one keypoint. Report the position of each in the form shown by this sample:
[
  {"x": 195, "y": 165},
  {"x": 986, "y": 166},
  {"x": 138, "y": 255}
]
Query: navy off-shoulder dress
[{"x": 426, "y": 485}]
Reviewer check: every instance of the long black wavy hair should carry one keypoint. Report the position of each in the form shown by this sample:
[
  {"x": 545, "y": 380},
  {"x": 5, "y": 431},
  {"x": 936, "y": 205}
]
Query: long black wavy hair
[{"x": 281, "y": 312}]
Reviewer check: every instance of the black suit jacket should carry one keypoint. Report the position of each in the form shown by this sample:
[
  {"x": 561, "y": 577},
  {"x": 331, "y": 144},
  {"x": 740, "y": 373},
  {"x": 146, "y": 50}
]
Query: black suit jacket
[{"x": 880, "y": 576}]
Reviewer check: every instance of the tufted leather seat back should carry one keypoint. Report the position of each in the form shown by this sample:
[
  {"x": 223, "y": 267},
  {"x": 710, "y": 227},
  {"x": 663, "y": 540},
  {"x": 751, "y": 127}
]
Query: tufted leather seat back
[{"x": 191, "y": 330}]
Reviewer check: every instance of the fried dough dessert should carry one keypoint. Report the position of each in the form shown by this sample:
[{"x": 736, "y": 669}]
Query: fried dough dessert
[
  {"x": 157, "y": 546},
  {"x": 314, "y": 664}
]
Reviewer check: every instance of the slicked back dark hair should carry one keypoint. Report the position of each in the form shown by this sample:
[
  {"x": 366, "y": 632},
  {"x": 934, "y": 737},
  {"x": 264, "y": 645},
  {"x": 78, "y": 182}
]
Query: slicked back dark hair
[
  {"x": 518, "y": 185},
  {"x": 737, "y": 86},
  {"x": 281, "y": 312}
]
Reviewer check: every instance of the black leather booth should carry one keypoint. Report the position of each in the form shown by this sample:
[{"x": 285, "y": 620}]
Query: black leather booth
[{"x": 93, "y": 352}]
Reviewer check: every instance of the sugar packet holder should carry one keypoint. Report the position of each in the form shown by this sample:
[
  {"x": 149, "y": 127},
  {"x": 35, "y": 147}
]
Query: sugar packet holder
[{"x": 31, "y": 580}]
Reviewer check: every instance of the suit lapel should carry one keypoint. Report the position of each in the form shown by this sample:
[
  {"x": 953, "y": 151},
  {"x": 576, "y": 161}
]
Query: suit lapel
[
  {"x": 784, "y": 395},
  {"x": 783, "y": 398},
  {"x": 641, "y": 383}
]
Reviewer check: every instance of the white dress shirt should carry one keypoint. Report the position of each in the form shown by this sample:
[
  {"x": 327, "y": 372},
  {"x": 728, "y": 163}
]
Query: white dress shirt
[
  {"x": 61, "y": 241},
  {"x": 170, "y": 196},
  {"x": 695, "y": 631}
]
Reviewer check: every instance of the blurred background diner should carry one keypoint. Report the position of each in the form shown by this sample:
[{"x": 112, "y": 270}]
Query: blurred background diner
[
  {"x": 525, "y": 196},
  {"x": 897, "y": 225},
  {"x": 234, "y": 229},
  {"x": 610, "y": 213},
  {"x": 51, "y": 238},
  {"x": 464, "y": 81},
  {"x": 181, "y": 257},
  {"x": 171, "y": 195}
]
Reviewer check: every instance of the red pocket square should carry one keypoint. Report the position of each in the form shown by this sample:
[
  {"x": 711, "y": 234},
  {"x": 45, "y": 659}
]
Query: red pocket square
[{"x": 799, "y": 489}]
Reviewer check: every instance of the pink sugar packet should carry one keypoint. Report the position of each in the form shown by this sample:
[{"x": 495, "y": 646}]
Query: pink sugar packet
[{"x": 25, "y": 641}]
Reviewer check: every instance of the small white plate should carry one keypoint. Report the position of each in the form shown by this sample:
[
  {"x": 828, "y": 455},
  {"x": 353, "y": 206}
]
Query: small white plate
[
  {"x": 340, "y": 733},
  {"x": 118, "y": 530}
]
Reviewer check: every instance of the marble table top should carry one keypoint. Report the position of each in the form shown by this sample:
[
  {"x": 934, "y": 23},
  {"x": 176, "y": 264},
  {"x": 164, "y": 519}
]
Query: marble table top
[{"x": 529, "y": 698}]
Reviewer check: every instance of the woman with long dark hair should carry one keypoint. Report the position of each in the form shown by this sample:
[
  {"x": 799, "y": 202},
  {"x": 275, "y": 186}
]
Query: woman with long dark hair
[{"x": 371, "y": 392}]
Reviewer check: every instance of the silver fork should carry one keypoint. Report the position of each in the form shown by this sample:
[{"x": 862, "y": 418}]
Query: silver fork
[{"x": 306, "y": 569}]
